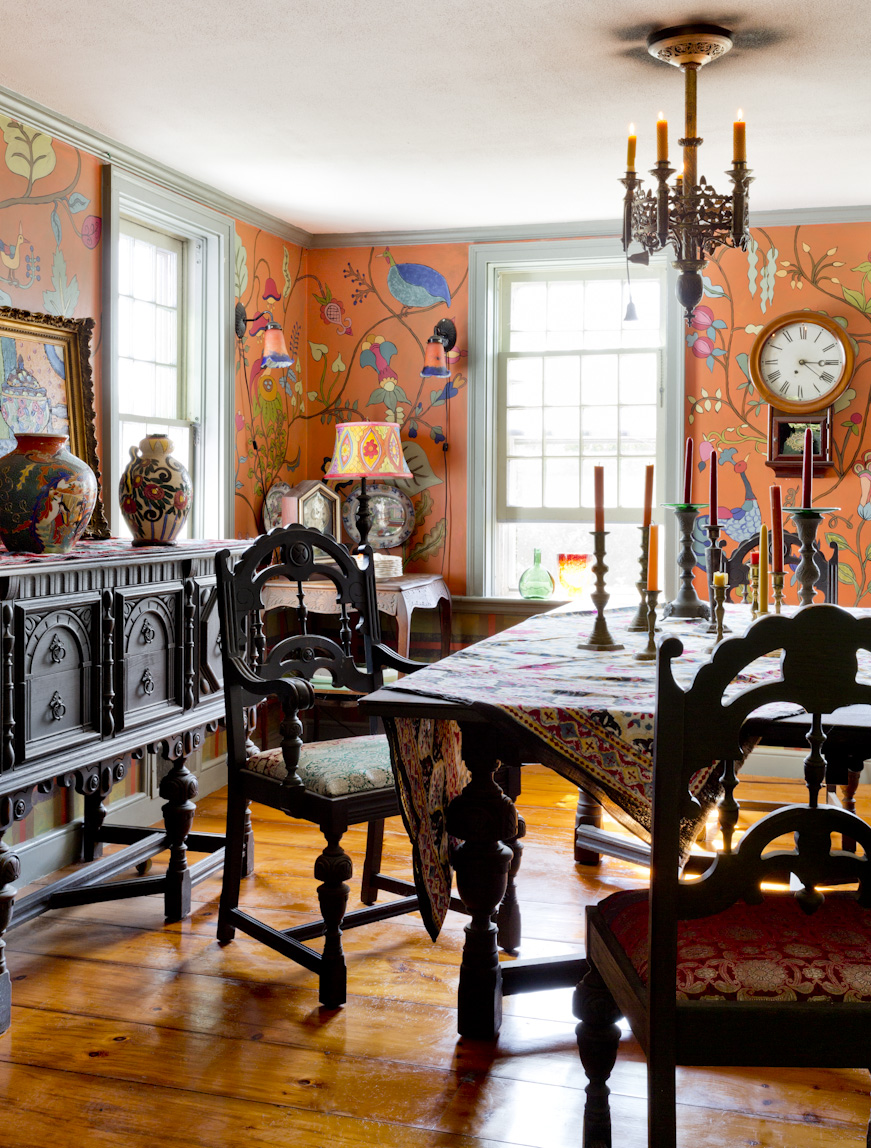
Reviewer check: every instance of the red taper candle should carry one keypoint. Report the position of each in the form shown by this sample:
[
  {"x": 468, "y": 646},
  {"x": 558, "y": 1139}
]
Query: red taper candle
[
  {"x": 599, "y": 497},
  {"x": 807, "y": 471},
  {"x": 776, "y": 530},
  {"x": 713, "y": 519},
  {"x": 648, "y": 495},
  {"x": 688, "y": 474}
]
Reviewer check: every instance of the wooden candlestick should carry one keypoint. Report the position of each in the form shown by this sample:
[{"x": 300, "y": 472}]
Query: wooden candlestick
[
  {"x": 648, "y": 654},
  {"x": 600, "y": 639}
]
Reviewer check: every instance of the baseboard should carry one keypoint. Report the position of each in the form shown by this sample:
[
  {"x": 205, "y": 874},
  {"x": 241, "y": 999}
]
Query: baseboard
[
  {"x": 60, "y": 847},
  {"x": 770, "y": 761}
]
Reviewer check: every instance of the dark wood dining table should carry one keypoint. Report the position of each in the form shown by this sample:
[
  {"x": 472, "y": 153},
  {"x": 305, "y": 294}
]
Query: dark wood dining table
[{"x": 528, "y": 694}]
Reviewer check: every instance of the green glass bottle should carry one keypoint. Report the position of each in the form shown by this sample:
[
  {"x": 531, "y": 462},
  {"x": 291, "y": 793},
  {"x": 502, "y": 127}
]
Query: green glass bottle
[{"x": 536, "y": 582}]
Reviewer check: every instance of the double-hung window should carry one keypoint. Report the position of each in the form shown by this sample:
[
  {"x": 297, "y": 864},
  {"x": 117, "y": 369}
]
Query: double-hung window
[
  {"x": 168, "y": 346},
  {"x": 569, "y": 384}
]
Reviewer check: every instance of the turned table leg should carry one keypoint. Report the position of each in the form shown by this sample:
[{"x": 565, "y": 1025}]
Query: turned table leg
[
  {"x": 589, "y": 812},
  {"x": 483, "y": 817}
]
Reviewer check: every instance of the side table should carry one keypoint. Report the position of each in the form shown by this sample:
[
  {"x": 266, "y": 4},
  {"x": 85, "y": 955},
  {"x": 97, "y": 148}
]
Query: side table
[{"x": 398, "y": 597}]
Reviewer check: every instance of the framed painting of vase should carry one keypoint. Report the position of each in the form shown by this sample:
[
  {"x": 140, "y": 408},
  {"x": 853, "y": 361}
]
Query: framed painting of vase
[{"x": 47, "y": 386}]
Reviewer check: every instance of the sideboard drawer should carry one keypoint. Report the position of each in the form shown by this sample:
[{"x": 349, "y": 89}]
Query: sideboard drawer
[
  {"x": 149, "y": 637},
  {"x": 57, "y": 644}
]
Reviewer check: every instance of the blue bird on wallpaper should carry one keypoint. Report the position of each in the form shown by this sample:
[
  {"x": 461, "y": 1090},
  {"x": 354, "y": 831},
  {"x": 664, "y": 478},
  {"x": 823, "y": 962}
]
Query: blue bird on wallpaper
[
  {"x": 740, "y": 522},
  {"x": 415, "y": 284}
]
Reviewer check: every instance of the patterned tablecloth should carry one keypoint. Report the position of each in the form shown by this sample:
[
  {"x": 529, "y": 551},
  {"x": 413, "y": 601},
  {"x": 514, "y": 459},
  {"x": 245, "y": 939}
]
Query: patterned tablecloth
[{"x": 594, "y": 711}]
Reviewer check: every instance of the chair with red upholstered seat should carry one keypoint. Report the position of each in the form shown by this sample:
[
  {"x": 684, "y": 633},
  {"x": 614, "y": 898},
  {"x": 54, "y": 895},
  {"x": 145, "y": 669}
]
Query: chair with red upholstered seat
[{"x": 718, "y": 970}]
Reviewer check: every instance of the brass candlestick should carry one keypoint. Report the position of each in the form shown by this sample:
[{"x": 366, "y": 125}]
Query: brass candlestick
[
  {"x": 686, "y": 603},
  {"x": 777, "y": 578},
  {"x": 715, "y": 560},
  {"x": 638, "y": 625},
  {"x": 649, "y": 652},
  {"x": 600, "y": 639},
  {"x": 719, "y": 611}
]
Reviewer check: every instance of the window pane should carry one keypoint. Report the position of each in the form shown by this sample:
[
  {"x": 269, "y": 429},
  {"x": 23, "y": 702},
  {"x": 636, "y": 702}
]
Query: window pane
[
  {"x": 598, "y": 379},
  {"x": 562, "y": 431},
  {"x": 144, "y": 344},
  {"x": 561, "y": 482},
  {"x": 167, "y": 278},
  {"x": 528, "y": 341},
  {"x": 632, "y": 481},
  {"x": 646, "y": 296},
  {"x": 599, "y": 430},
  {"x": 524, "y": 482},
  {"x": 565, "y": 306},
  {"x": 524, "y": 382},
  {"x": 166, "y": 392},
  {"x": 144, "y": 394},
  {"x": 143, "y": 270},
  {"x": 125, "y": 326},
  {"x": 639, "y": 375},
  {"x": 638, "y": 430},
  {"x": 165, "y": 335},
  {"x": 528, "y": 306},
  {"x": 524, "y": 431},
  {"x": 602, "y": 305},
  {"x": 125, "y": 265},
  {"x": 562, "y": 380}
]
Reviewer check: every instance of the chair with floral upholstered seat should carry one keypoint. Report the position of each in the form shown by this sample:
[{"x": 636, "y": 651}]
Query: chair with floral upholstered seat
[
  {"x": 334, "y": 784},
  {"x": 765, "y": 959}
]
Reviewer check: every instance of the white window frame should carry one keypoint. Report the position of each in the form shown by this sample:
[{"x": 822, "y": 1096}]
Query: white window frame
[
  {"x": 210, "y": 290},
  {"x": 486, "y": 263}
]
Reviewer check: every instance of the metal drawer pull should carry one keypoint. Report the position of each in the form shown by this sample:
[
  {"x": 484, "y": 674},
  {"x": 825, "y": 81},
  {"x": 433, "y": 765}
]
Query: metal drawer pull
[
  {"x": 57, "y": 707},
  {"x": 148, "y": 631},
  {"x": 147, "y": 682},
  {"x": 57, "y": 649}
]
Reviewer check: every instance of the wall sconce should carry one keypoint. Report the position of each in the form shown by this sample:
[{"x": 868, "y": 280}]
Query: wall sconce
[
  {"x": 442, "y": 340},
  {"x": 275, "y": 353}
]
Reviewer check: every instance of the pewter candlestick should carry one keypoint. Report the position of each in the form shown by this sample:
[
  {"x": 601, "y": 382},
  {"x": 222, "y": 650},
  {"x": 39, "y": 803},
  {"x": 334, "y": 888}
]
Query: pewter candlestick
[
  {"x": 648, "y": 654},
  {"x": 638, "y": 625},
  {"x": 807, "y": 572},
  {"x": 719, "y": 611},
  {"x": 686, "y": 603},
  {"x": 600, "y": 639},
  {"x": 714, "y": 562}
]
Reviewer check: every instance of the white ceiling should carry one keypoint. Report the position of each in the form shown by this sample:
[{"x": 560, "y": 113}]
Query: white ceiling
[{"x": 401, "y": 115}]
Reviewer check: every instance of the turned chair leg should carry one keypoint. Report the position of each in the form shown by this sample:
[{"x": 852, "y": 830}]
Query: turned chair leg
[
  {"x": 333, "y": 868},
  {"x": 598, "y": 1037}
]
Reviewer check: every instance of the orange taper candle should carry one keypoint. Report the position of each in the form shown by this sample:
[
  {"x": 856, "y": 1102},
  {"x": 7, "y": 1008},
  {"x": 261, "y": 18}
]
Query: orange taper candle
[
  {"x": 739, "y": 139},
  {"x": 653, "y": 558},
  {"x": 661, "y": 139}
]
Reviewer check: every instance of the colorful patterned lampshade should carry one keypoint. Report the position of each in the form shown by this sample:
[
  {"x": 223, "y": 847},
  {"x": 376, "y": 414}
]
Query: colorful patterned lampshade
[
  {"x": 368, "y": 450},
  {"x": 275, "y": 352}
]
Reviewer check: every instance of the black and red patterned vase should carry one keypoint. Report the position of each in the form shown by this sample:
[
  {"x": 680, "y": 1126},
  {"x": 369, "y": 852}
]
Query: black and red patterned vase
[
  {"x": 47, "y": 495},
  {"x": 155, "y": 493}
]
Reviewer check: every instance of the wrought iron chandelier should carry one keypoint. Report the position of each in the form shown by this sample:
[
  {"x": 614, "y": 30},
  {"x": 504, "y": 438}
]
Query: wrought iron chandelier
[{"x": 689, "y": 214}]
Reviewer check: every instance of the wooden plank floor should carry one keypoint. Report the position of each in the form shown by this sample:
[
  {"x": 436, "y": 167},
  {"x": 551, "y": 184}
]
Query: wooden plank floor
[{"x": 127, "y": 1032}]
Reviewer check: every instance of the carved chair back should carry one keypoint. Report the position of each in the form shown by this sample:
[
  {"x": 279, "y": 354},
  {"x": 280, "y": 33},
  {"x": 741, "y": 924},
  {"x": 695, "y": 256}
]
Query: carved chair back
[
  {"x": 819, "y": 670},
  {"x": 738, "y": 567}
]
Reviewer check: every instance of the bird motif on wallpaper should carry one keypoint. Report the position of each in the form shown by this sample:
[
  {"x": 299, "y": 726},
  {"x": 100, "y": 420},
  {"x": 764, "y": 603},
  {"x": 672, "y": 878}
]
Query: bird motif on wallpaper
[
  {"x": 10, "y": 255},
  {"x": 739, "y": 523},
  {"x": 415, "y": 284}
]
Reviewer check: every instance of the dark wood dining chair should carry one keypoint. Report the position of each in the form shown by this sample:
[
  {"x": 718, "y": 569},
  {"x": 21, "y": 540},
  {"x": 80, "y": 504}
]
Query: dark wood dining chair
[
  {"x": 724, "y": 969},
  {"x": 335, "y": 784},
  {"x": 738, "y": 565}
]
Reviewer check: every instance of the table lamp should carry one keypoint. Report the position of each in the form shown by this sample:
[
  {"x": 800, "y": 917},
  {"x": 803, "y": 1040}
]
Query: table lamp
[{"x": 367, "y": 450}]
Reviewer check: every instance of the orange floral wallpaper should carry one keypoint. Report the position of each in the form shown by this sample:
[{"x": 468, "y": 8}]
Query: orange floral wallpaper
[
  {"x": 825, "y": 268},
  {"x": 370, "y": 313}
]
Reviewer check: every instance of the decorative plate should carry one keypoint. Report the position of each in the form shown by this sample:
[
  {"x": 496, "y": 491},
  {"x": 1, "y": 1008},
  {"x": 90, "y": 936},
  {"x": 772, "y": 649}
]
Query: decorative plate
[
  {"x": 272, "y": 505},
  {"x": 392, "y": 515}
]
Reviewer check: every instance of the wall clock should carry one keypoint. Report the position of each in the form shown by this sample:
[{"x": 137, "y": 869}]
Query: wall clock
[{"x": 801, "y": 362}]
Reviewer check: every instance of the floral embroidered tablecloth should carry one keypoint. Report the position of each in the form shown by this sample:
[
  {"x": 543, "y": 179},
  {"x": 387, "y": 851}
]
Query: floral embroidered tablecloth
[{"x": 593, "y": 710}]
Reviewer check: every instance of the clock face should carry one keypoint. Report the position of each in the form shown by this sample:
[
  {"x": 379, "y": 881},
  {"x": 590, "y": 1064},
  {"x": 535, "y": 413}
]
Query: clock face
[{"x": 801, "y": 364}]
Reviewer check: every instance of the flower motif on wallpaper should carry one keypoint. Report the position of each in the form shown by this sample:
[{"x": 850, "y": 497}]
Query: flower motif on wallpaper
[
  {"x": 704, "y": 346},
  {"x": 333, "y": 311},
  {"x": 377, "y": 353},
  {"x": 863, "y": 470},
  {"x": 798, "y": 275}
]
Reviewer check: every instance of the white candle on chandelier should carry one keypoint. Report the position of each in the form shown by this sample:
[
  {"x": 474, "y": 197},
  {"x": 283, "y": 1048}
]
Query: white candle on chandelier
[{"x": 630, "y": 148}]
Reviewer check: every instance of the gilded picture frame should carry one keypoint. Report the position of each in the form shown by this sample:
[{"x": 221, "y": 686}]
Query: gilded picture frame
[{"x": 47, "y": 385}]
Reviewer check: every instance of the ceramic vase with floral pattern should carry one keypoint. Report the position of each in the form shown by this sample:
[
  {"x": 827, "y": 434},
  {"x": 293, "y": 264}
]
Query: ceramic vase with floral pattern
[
  {"x": 47, "y": 495},
  {"x": 155, "y": 493}
]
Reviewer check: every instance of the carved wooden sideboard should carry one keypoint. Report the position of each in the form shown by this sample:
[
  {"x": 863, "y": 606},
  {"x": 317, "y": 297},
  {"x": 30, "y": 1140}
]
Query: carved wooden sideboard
[{"x": 106, "y": 652}]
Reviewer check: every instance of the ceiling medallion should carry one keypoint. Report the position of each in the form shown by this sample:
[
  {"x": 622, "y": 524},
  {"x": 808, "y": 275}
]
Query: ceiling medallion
[{"x": 690, "y": 214}]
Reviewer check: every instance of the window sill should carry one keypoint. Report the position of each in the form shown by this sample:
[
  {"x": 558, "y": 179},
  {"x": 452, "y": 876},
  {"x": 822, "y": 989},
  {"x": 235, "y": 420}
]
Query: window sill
[{"x": 523, "y": 606}]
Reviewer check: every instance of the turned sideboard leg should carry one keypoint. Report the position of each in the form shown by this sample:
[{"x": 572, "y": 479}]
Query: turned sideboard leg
[
  {"x": 179, "y": 789},
  {"x": 10, "y": 870}
]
